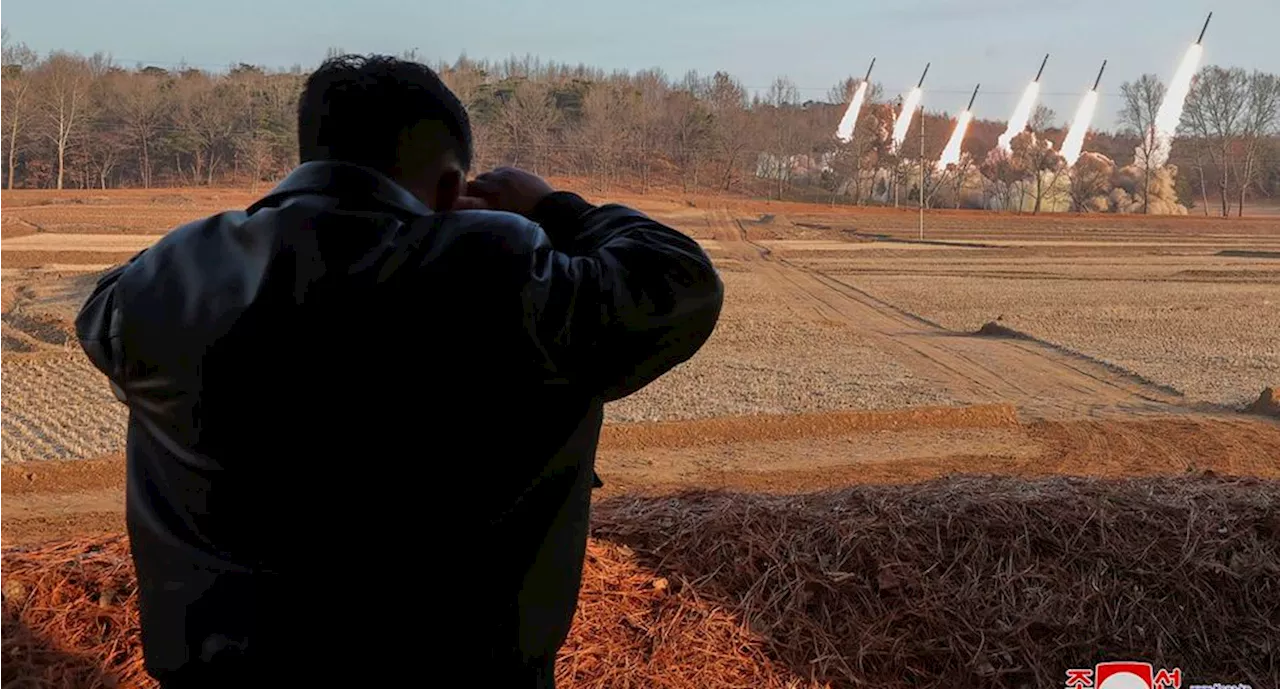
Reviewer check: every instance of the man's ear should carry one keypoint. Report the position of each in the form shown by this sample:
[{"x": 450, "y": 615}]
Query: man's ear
[{"x": 451, "y": 185}]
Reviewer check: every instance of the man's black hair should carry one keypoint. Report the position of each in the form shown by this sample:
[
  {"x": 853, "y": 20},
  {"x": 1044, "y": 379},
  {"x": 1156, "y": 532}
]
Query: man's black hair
[{"x": 356, "y": 108}]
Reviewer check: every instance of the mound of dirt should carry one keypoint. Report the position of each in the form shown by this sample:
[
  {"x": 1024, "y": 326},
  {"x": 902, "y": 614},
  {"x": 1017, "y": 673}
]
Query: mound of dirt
[
  {"x": 997, "y": 329},
  {"x": 959, "y": 582},
  {"x": 1268, "y": 403}
]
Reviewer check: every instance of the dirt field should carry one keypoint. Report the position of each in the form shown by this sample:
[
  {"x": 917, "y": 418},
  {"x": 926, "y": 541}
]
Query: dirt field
[
  {"x": 850, "y": 355},
  {"x": 846, "y": 353}
]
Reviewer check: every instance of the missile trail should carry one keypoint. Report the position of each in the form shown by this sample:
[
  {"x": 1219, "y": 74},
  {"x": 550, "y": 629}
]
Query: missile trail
[
  {"x": 903, "y": 123},
  {"x": 844, "y": 130},
  {"x": 1021, "y": 115},
  {"x": 1074, "y": 142},
  {"x": 1022, "y": 112},
  {"x": 1170, "y": 113},
  {"x": 909, "y": 105},
  {"x": 1072, "y": 145},
  {"x": 951, "y": 154}
]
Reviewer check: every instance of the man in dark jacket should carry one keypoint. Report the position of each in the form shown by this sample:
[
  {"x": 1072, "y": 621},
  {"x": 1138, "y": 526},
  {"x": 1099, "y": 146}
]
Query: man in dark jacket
[{"x": 363, "y": 413}]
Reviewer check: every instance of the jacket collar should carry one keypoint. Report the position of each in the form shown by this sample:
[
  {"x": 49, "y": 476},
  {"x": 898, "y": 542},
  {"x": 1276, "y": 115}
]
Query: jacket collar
[{"x": 336, "y": 178}]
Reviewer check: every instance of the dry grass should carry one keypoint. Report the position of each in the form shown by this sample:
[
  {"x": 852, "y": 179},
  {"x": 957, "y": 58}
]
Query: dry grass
[
  {"x": 958, "y": 582},
  {"x": 983, "y": 582}
]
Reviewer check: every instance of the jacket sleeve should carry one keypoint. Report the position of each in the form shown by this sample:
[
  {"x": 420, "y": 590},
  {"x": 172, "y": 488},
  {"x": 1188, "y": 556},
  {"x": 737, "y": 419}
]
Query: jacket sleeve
[
  {"x": 98, "y": 327},
  {"x": 617, "y": 298}
]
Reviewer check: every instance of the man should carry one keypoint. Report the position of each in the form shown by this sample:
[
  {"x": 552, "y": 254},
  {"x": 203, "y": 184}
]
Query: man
[{"x": 363, "y": 413}]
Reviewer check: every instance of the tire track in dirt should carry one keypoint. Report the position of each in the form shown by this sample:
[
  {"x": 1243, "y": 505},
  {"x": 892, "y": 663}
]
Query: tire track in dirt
[{"x": 1039, "y": 381}]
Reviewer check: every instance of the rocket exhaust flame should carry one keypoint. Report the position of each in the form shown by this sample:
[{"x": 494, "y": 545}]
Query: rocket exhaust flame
[
  {"x": 1021, "y": 115},
  {"x": 1074, "y": 142},
  {"x": 844, "y": 130},
  {"x": 909, "y": 105},
  {"x": 1170, "y": 113},
  {"x": 951, "y": 154}
]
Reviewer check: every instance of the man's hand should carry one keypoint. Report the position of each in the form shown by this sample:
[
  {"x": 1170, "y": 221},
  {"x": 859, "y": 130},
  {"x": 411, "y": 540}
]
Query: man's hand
[{"x": 509, "y": 189}]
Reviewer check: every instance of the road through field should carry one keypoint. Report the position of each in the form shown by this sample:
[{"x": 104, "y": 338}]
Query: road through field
[{"x": 1041, "y": 381}]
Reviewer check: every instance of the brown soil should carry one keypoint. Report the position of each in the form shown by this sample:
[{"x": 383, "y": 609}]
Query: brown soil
[{"x": 36, "y": 259}]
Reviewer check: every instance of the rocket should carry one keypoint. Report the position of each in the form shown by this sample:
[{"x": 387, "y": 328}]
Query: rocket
[
  {"x": 975, "y": 95},
  {"x": 1099, "y": 79},
  {"x": 926, "y": 71},
  {"x": 1042, "y": 64},
  {"x": 1204, "y": 28},
  {"x": 873, "y": 64}
]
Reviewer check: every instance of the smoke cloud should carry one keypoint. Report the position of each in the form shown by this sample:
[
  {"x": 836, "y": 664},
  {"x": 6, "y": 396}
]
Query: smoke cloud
[{"x": 1097, "y": 185}]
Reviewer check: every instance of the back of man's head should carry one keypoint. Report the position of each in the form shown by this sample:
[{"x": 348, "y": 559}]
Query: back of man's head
[{"x": 392, "y": 115}]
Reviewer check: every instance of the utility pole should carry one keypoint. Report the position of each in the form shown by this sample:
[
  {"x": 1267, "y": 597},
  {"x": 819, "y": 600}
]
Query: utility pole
[{"x": 922, "y": 172}]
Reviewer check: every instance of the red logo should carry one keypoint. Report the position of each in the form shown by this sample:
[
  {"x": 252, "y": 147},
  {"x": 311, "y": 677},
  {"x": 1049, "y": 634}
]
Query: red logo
[{"x": 1124, "y": 674}]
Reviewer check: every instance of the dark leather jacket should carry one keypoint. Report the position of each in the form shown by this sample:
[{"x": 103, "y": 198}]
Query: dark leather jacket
[{"x": 362, "y": 434}]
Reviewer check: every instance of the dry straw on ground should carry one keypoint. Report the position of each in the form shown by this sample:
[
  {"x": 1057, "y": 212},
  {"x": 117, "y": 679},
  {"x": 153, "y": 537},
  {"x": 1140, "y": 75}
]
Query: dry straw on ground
[{"x": 963, "y": 582}]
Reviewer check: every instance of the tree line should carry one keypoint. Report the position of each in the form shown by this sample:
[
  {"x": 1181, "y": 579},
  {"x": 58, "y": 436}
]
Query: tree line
[{"x": 75, "y": 121}]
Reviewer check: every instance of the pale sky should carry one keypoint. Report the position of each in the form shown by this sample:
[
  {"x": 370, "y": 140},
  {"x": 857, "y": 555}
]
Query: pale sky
[{"x": 996, "y": 42}]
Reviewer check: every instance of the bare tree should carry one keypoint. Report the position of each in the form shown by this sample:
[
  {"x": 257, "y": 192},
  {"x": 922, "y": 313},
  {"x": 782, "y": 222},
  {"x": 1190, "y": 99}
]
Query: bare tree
[
  {"x": 727, "y": 99},
  {"x": 525, "y": 123},
  {"x": 17, "y": 95},
  {"x": 144, "y": 109},
  {"x": 601, "y": 136},
  {"x": 104, "y": 140},
  {"x": 1260, "y": 124},
  {"x": 205, "y": 119},
  {"x": 1142, "y": 100},
  {"x": 64, "y": 80},
  {"x": 1215, "y": 112},
  {"x": 691, "y": 126},
  {"x": 1039, "y": 158}
]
